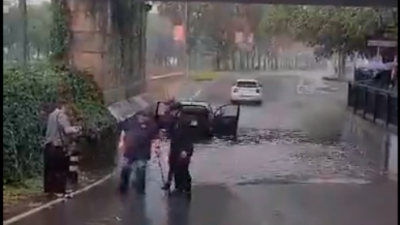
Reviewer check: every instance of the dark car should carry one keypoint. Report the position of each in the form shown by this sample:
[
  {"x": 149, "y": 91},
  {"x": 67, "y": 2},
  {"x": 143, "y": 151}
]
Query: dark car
[{"x": 206, "y": 120}]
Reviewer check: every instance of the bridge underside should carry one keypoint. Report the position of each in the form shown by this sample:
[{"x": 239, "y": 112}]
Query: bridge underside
[
  {"x": 117, "y": 59},
  {"x": 364, "y": 3}
]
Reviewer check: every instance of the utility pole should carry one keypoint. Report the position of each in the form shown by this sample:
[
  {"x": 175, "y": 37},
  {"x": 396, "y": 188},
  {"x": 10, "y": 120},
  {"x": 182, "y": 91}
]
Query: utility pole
[{"x": 186, "y": 26}]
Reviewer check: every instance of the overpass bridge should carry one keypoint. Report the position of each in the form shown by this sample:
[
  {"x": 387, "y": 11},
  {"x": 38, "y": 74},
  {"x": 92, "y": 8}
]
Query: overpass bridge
[
  {"x": 111, "y": 44},
  {"x": 370, "y": 3}
]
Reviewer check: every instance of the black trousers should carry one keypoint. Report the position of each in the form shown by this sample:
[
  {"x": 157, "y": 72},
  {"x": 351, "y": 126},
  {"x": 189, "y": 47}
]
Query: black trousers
[
  {"x": 172, "y": 164},
  {"x": 55, "y": 170},
  {"x": 182, "y": 177}
]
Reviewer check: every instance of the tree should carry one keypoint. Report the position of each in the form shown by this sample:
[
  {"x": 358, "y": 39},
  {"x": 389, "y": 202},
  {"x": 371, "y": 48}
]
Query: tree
[
  {"x": 210, "y": 26},
  {"x": 159, "y": 39},
  {"x": 37, "y": 31},
  {"x": 334, "y": 30},
  {"x": 39, "y": 23}
]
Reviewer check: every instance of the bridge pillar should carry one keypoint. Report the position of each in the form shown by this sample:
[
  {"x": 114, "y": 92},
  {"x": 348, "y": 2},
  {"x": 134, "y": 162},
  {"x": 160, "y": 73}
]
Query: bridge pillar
[{"x": 115, "y": 59}]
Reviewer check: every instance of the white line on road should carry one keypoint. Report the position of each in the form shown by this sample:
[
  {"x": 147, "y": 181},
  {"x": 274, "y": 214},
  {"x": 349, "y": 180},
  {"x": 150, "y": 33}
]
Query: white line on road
[
  {"x": 56, "y": 201},
  {"x": 335, "y": 181},
  {"x": 196, "y": 94},
  {"x": 166, "y": 75}
]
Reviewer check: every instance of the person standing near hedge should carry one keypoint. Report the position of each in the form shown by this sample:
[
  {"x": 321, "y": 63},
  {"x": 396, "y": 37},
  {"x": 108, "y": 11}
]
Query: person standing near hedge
[{"x": 58, "y": 140}]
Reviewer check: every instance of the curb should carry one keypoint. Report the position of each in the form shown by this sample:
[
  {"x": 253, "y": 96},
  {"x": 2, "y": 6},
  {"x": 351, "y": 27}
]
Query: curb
[
  {"x": 167, "y": 75},
  {"x": 54, "y": 202}
]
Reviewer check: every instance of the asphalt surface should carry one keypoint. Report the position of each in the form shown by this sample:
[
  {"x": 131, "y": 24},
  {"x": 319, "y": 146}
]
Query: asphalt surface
[{"x": 287, "y": 167}]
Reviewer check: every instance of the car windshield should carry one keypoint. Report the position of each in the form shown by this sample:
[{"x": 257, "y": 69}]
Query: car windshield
[
  {"x": 247, "y": 84},
  {"x": 194, "y": 109}
]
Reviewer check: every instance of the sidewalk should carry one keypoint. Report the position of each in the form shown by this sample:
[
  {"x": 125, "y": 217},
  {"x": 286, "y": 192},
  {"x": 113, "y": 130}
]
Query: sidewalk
[{"x": 120, "y": 110}]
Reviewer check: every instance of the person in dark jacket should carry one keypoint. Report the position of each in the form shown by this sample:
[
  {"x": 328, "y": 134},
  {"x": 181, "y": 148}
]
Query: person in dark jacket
[
  {"x": 180, "y": 156},
  {"x": 137, "y": 142},
  {"x": 169, "y": 124},
  {"x": 181, "y": 150}
]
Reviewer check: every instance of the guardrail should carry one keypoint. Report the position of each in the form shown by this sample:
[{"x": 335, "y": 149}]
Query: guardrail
[{"x": 375, "y": 104}]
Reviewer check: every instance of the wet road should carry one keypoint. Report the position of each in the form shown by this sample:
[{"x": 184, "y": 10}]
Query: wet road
[{"x": 287, "y": 167}]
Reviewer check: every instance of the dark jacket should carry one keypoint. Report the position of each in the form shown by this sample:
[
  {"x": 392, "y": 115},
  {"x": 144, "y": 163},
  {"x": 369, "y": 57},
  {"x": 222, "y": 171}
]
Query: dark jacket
[
  {"x": 178, "y": 132},
  {"x": 138, "y": 140}
]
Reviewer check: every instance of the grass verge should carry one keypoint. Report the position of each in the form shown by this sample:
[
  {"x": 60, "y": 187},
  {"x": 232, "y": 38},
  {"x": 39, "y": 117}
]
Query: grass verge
[{"x": 204, "y": 76}]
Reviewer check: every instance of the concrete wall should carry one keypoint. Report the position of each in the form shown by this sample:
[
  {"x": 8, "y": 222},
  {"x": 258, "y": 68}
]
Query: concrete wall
[
  {"x": 96, "y": 46},
  {"x": 376, "y": 142}
]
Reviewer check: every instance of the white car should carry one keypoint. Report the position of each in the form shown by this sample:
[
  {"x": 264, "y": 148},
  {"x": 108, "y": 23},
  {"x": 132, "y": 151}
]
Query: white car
[{"x": 246, "y": 90}]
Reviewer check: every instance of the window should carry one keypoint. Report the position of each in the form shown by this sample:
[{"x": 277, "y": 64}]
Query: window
[{"x": 247, "y": 84}]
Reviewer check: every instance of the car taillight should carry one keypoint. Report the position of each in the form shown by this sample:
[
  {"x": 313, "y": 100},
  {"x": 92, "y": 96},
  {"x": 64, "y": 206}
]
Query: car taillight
[
  {"x": 258, "y": 90},
  {"x": 235, "y": 90}
]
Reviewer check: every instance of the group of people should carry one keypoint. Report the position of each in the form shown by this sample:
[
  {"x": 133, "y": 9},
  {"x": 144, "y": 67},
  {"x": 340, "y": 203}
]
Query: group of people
[{"x": 137, "y": 137}]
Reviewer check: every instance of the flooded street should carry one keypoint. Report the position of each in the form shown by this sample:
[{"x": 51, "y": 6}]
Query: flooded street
[
  {"x": 292, "y": 137},
  {"x": 288, "y": 167}
]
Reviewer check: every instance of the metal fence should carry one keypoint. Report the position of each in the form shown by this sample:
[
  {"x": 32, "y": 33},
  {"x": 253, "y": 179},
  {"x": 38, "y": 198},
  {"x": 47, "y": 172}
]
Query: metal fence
[{"x": 375, "y": 104}]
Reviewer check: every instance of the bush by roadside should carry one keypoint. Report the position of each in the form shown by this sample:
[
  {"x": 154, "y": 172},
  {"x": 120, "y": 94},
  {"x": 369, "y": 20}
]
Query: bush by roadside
[{"x": 28, "y": 96}]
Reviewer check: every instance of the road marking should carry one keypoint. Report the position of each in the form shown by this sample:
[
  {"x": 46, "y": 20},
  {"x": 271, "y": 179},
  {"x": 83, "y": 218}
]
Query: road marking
[
  {"x": 335, "y": 181},
  {"x": 304, "y": 89},
  {"x": 195, "y": 94},
  {"x": 56, "y": 201},
  {"x": 167, "y": 75}
]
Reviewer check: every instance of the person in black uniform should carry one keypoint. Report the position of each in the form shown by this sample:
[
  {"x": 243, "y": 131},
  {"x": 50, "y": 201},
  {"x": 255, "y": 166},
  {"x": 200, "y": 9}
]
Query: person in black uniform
[
  {"x": 181, "y": 155},
  {"x": 169, "y": 125},
  {"x": 181, "y": 150}
]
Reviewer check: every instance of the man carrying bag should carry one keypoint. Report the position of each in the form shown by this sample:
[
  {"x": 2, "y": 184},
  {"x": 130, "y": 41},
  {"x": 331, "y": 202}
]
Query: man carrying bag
[{"x": 58, "y": 140}]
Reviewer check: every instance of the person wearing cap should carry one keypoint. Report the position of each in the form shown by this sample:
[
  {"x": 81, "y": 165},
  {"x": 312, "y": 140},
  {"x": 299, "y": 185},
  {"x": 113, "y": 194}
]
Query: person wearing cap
[{"x": 137, "y": 142}]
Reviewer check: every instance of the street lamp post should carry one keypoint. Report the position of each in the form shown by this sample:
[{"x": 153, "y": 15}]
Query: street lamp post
[{"x": 186, "y": 26}]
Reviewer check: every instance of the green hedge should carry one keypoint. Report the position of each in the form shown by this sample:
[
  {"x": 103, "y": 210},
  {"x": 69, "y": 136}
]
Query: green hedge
[{"x": 25, "y": 96}]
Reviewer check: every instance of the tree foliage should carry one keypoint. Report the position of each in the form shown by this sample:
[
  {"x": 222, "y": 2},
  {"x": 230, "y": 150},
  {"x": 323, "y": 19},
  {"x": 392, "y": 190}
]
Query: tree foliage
[
  {"x": 27, "y": 98},
  {"x": 210, "y": 24},
  {"x": 160, "y": 43},
  {"x": 333, "y": 29},
  {"x": 39, "y": 18}
]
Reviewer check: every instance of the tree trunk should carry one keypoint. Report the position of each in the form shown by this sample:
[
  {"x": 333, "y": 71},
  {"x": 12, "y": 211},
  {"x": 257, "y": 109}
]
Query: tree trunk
[
  {"x": 341, "y": 65},
  {"x": 217, "y": 62},
  {"x": 24, "y": 31},
  {"x": 233, "y": 60}
]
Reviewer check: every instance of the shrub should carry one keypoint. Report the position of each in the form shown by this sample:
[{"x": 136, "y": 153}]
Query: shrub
[{"x": 27, "y": 98}]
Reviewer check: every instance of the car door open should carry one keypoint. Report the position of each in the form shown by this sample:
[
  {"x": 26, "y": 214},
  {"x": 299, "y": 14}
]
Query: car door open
[
  {"x": 225, "y": 121},
  {"x": 161, "y": 112}
]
